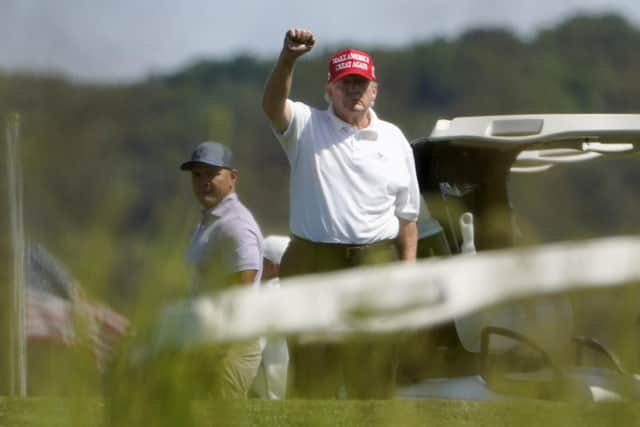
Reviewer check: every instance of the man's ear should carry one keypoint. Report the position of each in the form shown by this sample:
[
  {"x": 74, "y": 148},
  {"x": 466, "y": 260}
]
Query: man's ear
[
  {"x": 234, "y": 174},
  {"x": 328, "y": 95},
  {"x": 374, "y": 90}
]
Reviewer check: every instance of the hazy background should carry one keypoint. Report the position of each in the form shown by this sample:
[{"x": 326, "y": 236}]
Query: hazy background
[{"x": 121, "y": 40}]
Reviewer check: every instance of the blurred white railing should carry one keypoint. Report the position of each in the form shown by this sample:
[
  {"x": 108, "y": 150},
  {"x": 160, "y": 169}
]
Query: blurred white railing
[{"x": 398, "y": 297}]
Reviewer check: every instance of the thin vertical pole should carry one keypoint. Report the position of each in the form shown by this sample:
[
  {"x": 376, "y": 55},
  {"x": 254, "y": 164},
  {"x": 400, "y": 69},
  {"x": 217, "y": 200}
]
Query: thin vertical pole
[{"x": 17, "y": 364}]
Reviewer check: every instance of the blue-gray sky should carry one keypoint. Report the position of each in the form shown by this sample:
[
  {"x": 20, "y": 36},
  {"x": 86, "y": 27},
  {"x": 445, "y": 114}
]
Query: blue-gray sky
[{"x": 125, "y": 40}]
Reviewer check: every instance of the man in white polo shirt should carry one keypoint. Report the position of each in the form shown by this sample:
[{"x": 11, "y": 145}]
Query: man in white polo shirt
[{"x": 354, "y": 201}]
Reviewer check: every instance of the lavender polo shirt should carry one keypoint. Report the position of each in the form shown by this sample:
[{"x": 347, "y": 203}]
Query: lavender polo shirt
[{"x": 227, "y": 240}]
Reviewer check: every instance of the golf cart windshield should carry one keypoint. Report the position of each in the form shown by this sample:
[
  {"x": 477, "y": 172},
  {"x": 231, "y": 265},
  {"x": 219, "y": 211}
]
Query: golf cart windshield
[{"x": 531, "y": 178}]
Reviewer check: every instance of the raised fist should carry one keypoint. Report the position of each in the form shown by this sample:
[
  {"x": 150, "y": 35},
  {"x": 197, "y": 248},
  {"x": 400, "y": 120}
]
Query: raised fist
[{"x": 299, "y": 41}]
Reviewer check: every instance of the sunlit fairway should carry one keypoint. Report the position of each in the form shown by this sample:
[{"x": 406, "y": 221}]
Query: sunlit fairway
[{"x": 93, "y": 412}]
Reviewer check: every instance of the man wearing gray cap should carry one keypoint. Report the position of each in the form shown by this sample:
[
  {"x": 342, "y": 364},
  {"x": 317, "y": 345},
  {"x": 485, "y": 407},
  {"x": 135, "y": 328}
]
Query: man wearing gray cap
[{"x": 226, "y": 249}]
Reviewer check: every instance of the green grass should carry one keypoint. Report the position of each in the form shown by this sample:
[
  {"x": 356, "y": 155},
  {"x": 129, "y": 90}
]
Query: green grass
[{"x": 93, "y": 412}]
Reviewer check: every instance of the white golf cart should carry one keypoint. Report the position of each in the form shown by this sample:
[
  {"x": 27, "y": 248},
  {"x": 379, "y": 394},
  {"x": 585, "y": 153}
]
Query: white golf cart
[{"x": 575, "y": 347}]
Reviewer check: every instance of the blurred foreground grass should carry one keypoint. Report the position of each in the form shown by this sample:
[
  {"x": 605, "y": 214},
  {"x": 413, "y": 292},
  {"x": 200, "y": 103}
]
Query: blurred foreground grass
[{"x": 92, "y": 412}]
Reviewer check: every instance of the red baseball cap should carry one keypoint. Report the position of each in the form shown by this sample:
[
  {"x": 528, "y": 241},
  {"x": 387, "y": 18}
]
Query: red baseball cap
[{"x": 351, "y": 61}]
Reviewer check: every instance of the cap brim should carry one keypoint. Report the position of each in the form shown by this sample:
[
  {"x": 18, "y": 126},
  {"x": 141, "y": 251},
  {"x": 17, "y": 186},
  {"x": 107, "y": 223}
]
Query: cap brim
[
  {"x": 352, "y": 71},
  {"x": 187, "y": 166}
]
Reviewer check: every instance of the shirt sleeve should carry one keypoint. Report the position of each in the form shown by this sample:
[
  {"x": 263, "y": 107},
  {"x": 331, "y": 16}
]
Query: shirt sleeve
[
  {"x": 300, "y": 114},
  {"x": 408, "y": 200},
  {"x": 244, "y": 249}
]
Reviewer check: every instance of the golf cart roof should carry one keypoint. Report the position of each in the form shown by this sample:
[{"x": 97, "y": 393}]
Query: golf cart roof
[
  {"x": 511, "y": 131},
  {"x": 468, "y": 161}
]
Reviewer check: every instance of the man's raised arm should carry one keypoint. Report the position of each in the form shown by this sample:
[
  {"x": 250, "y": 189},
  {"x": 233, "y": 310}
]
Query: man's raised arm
[{"x": 297, "y": 42}]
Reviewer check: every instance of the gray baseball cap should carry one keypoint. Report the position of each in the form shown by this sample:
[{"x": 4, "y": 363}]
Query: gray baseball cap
[{"x": 210, "y": 153}]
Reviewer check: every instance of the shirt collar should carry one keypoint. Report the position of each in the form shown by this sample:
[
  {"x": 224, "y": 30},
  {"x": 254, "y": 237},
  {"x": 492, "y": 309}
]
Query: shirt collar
[
  {"x": 370, "y": 132},
  {"x": 220, "y": 209}
]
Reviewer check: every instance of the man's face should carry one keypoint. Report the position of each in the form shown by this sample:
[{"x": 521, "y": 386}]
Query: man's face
[
  {"x": 352, "y": 94},
  {"x": 211, "y": 184}
]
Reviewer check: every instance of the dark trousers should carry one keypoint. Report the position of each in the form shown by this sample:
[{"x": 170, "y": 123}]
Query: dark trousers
[{"x": 364, "y": 366}]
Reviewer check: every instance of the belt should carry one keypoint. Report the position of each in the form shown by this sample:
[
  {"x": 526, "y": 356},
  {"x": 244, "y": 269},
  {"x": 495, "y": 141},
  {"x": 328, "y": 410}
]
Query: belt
[{"x": 347, "y": 248}]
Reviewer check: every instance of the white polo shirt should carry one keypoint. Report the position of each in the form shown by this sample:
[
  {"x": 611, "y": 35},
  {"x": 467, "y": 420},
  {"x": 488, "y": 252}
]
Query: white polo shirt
[{"x": 348, "y": 185}]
